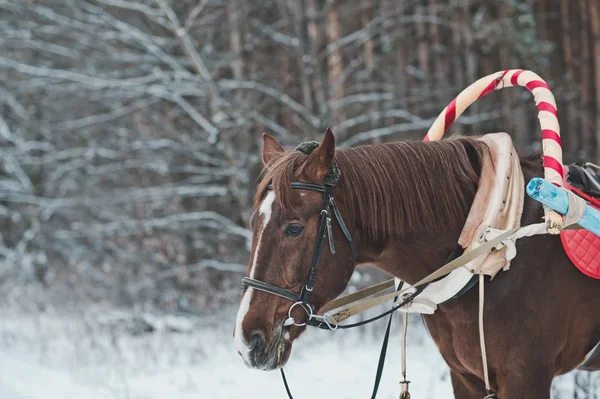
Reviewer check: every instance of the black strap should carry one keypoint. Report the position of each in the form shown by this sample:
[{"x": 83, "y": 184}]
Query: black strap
[
  {"x": 325, "y": 326},
  {"x": 321, "y": 237},
  {"x": 308, "y": 186},
  {"x": 270, "y": 288},
  {"x": 383, "y": 352},
  {"x": 285, "y": 384},
  {"x": 591, "y": 358},
  {"x": 345, "y": 230},
  {"x": 472, "y": 283}
]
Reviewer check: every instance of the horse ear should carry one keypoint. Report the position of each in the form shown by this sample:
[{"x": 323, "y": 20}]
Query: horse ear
[
  {"x": 271, "y": 149},
  {"x": 318, "y": 163}
]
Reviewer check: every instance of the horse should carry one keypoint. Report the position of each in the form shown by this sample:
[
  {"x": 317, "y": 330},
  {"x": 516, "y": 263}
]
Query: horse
[{"x": 405, "y": 204}]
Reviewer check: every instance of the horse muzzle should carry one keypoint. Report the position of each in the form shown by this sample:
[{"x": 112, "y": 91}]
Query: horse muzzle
[{"x": 264, "y": 356}]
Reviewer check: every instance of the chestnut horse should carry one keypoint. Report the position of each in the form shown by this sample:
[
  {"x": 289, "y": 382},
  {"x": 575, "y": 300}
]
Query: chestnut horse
[{"x": 405, "y": 205}]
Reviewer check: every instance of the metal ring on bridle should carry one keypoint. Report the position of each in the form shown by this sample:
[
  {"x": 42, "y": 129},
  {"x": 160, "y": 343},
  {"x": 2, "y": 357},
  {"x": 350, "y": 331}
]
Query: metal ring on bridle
[{"x": 306, "y": 309}]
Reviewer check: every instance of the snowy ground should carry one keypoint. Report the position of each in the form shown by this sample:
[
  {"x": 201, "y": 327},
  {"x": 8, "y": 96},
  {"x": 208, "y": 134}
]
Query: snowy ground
[{"x": 90, "y": 355}]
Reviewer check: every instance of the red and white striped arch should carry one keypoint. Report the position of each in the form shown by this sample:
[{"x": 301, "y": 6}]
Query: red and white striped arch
[{"x": 547, "y": 113}]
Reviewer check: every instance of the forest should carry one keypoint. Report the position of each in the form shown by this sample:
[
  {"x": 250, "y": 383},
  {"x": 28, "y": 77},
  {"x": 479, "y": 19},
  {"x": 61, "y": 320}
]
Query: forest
[
  {"x": 130, "y": 131},
  {"x": 130, "y": 142}
]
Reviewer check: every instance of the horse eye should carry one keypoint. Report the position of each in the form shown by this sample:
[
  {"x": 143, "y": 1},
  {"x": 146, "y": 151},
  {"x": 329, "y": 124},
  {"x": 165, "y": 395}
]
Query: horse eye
[{"x": 293, "y": 230}]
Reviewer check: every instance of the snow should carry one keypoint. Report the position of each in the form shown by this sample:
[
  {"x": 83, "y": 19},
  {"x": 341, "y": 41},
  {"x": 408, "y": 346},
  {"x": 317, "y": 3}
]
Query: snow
[
  {"x": 20, "y": 379},
  {"x": 145, "y": 356}
]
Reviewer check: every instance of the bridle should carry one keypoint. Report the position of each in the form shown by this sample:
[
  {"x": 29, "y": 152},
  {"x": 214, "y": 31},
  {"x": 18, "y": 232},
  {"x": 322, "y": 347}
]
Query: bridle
[{"x": 302, "y": 298}]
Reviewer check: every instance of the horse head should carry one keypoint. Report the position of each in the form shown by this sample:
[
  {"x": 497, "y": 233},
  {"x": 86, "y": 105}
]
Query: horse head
[{"x": 291, "y": 236}]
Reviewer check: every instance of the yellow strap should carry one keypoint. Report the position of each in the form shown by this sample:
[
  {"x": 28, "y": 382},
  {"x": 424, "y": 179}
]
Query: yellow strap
[
  {"x": 365, "y": 305},
  {"x": 355, "y": 296}
]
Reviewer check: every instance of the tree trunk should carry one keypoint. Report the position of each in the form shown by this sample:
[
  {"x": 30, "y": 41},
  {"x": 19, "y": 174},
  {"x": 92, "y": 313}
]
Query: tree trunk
[
  {"x": 434, "y": 32},
  {"x": 235, "y": 39},
  {"x": 297, "y": 8},
  {"x": 422, "y": 45},
  {"x": 335, "y": 61},
  {"x": 316, "y": 43},
  {"x": 569, "y": 110},
  {"x": 399, "y": 58},
  {"x": 365, "y": 18},
  {"x": 587, "y": 124}
]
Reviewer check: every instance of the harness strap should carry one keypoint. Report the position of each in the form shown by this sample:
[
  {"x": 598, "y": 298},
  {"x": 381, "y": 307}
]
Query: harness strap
[
  {"x": 382, "y": 355},
  {"x": 321, "y": 235},
  {"x": 484, "y": 361},
  {"x": 306, "y": 186},
  {"x": 285, "y": 384},
  {"x": 322, "y": 321},
  {"x": 407, "y": 298},
  {"x": 355, "y": 296},
  {"x": 380, "y": 362},
  {"x": 383, "y": 352},
  {"x": 404, "y": 383},
  {"x": 462, "y": 260},
  {"x": 271, "y": 289},
  {"x": 590, "y": 356},
  {"x": 345, "y": 230}
]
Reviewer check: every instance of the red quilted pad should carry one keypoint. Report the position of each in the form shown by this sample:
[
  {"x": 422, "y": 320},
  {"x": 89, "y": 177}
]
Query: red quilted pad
[{"x": 583, "y": 248}]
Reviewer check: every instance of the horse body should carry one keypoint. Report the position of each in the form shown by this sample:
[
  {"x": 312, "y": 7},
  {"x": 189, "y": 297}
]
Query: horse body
[
  {"x": 540, "y": 321},
  {"x": 406, "y": 204}
]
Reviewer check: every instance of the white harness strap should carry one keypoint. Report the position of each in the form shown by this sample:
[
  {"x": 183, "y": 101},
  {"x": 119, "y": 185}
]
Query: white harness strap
[
  {"x": 486, "y": 376},
  {"x": 437, "y": 292},
  {"x": 498, "y": 204},
  {"x": 497, "y": 207}
]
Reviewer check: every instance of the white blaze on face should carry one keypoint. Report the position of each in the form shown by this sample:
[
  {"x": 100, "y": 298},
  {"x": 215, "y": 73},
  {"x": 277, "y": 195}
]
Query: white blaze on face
[{"x": 265, "y": 209}]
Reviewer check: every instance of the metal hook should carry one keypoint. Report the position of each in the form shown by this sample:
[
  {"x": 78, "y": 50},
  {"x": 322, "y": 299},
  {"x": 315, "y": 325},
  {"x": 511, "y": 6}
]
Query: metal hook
[{"x": 325, "y": 319}]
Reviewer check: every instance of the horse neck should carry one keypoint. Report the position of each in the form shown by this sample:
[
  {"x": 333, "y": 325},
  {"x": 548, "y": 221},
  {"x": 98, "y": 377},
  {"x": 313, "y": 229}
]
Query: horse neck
[
  {"x": 411, "y": 258},
  {"x": 419, "y": 249}
]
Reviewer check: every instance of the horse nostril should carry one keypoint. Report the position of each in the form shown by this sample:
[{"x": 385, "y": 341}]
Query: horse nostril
[{"x": 257, "y": 342}]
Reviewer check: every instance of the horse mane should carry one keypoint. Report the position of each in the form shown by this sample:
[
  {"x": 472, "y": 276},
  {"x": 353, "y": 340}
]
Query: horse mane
[{"x": 394, "y": 188}]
